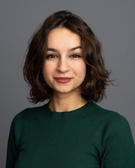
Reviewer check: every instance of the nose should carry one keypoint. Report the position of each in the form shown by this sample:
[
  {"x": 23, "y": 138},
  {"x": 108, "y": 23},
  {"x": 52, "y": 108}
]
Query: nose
[{"x": 62, "y": 65}]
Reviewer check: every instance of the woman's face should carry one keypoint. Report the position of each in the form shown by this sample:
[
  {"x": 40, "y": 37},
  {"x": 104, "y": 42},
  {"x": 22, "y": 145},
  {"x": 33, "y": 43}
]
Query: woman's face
[{"x": 64, "y": 67}]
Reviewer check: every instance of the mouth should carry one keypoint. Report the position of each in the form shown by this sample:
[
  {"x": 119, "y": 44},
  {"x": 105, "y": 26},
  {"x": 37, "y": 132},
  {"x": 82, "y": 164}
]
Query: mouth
[{"x": 63, "y": 79}]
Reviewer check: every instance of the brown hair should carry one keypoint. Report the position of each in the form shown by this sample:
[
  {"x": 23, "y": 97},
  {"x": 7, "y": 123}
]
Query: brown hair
[{"x": 97, "y": 76}]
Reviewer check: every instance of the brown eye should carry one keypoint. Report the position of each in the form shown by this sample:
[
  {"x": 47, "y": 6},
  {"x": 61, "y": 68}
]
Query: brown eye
[
  {"x": 75, "y": 56},
  {"x": 51, "y": 56}
]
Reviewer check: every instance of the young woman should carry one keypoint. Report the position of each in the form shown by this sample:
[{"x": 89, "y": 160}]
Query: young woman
[{"x": 64, "y": 65}]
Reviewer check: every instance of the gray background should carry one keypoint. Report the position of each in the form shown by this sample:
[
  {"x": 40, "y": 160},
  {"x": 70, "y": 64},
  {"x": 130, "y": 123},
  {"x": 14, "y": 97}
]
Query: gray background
[{"x": 113, "y": 22}]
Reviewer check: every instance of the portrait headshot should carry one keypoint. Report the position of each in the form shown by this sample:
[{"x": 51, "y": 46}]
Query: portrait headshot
[{"x": 67, "y": 94}]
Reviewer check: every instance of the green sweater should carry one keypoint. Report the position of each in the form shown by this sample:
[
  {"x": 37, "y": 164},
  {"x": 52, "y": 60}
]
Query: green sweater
[{"x": 88, "y": 137}]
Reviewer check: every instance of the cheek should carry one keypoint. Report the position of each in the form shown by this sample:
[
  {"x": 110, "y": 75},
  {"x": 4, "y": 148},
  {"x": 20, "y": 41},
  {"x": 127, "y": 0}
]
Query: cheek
[
  {"x": 81, "y": 70},
  {"x": 47, "y": 70}
]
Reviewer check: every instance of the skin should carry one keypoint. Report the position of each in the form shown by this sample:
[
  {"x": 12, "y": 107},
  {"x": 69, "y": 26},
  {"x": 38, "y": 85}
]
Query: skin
[{"x": 64, "y": 69}]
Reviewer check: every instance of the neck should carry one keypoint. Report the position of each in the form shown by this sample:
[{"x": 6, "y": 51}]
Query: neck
[{"x": 61, "y": 103}]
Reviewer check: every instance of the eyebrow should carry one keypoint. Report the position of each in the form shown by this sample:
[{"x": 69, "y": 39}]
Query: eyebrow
[{"x": 72, "y": 49}]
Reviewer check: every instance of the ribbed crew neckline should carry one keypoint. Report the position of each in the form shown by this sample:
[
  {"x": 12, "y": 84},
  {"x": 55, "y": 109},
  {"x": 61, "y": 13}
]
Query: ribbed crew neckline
[{"x": 70, "y": 114}]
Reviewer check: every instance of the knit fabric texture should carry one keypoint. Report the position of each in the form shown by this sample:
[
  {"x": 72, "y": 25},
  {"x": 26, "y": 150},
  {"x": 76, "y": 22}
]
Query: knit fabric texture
[{"x": 88, "y": 137}]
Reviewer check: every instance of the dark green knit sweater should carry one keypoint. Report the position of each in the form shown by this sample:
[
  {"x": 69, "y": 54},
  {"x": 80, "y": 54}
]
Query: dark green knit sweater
[{"x": 89, "y": 137}]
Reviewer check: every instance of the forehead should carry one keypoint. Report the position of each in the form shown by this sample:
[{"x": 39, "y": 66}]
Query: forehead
[{"x": 62, "y": 37}]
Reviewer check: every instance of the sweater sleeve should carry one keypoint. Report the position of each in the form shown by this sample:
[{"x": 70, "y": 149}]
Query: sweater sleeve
[
  {"x": 118, "y": 150},
  {"x": 13, "y": 142}
]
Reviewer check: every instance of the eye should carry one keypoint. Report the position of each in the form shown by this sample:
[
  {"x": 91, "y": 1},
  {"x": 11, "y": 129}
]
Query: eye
[
  {"x": 51, "y": 56},
  {"x": 75, "y": 56}
]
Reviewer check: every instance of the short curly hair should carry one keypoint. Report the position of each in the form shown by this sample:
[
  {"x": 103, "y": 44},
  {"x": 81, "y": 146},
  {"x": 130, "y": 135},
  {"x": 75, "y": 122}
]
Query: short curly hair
[{"x": 97, "y": 76}]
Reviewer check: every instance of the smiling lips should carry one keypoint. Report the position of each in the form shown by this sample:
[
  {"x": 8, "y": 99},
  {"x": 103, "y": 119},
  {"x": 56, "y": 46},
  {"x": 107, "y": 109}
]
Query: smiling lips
[{"x": 63, "y": 79}]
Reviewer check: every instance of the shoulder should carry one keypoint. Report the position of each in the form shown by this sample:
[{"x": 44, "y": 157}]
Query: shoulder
[
  {"x": 114, "y": 139},
  {"x": 108, "y": 119},
  {"x": 29, "y": 114},
  {"x": 113, "y": 126}
]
